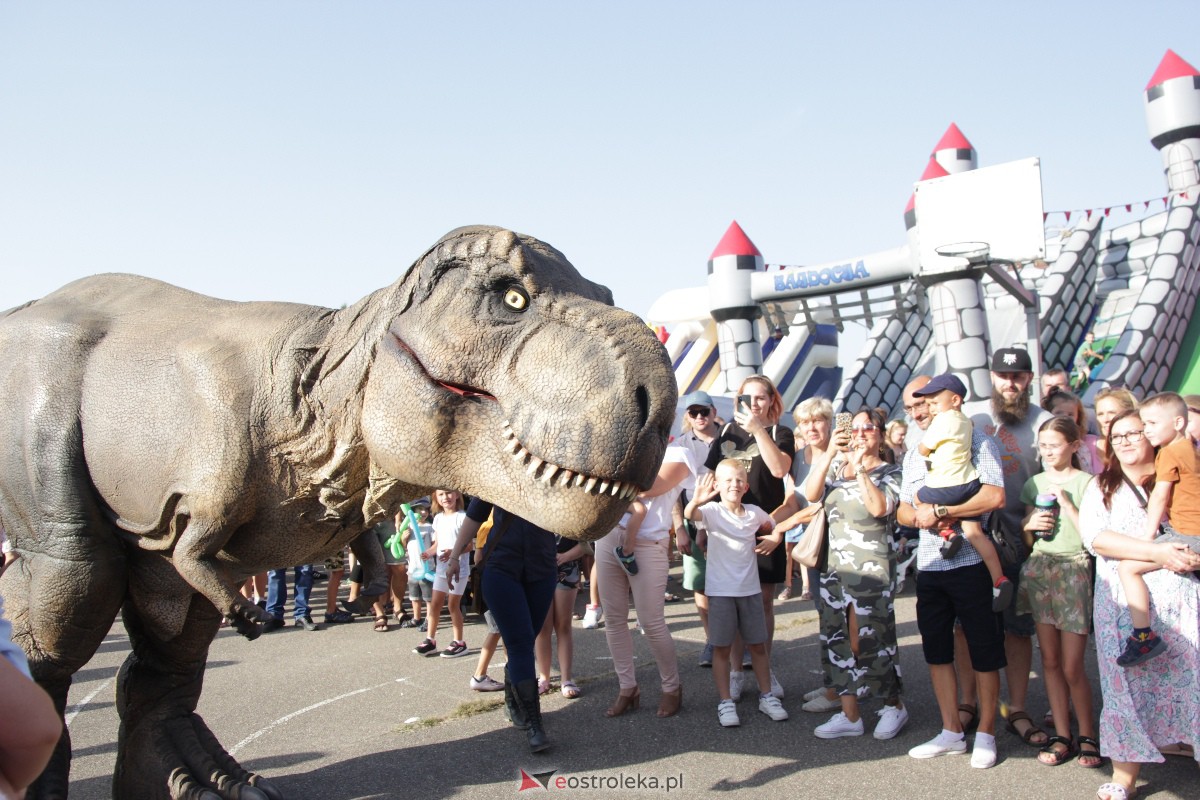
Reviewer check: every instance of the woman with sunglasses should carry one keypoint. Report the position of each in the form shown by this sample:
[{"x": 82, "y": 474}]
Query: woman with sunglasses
[
  {"x": 1142, "y": 707},
  {"x": 765, "y": 447},
  {"x": 860, "y": 485}
]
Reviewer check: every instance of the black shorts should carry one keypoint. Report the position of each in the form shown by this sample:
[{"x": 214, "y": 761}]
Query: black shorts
[
  {"x": 949, "y": 495},
  {"x": 964, "y": 594},
  {"x": 773, "y": 568}
]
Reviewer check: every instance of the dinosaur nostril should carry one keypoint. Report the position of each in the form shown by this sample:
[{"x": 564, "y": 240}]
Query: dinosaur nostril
[{"x": 643, "y": 403}]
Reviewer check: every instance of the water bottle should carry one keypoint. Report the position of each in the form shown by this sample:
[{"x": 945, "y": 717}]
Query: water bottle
[{"x": 1047, "y": 502}]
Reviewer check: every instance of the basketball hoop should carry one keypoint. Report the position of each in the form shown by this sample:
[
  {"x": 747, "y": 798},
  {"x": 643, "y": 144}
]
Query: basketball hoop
[{"x": 971, "y": 252}]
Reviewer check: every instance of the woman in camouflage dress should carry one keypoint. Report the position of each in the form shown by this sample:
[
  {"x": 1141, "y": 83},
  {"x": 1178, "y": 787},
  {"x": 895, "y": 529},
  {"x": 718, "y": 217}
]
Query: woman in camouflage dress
[{"x": 861, "y": 489}]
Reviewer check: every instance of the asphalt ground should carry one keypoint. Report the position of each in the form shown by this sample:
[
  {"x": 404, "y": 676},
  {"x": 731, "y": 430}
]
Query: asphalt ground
[{"x": 346, "y": 712}]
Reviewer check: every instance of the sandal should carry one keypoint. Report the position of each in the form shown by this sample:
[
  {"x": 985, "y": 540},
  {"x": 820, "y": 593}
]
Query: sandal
[
  {"x": 1095, "y": 760},
  {"x": 381, "y": 624},
  {"x": 973, "y": 719},
  {"x": 1178, "y": 749},
  {"x": 1115, "y": 791},
  {"x": 543, "y": 685},
  {"x": 1030, "y": 732},
  {"x": 1051, "y": 757},
  {"x": 570, "y": 690}
]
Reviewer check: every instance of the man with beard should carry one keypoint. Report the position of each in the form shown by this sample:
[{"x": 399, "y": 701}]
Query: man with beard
[
  {"x": 955, "y": 590},
  {"x": 1010, "y": 417}
]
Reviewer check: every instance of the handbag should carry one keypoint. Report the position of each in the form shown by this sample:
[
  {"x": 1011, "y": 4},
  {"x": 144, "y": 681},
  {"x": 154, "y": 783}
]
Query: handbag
[{"x": 813, "y": 548}]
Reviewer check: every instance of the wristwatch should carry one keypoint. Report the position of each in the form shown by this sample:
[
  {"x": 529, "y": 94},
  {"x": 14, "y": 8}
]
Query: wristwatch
[{"x": 941, "y": 511}]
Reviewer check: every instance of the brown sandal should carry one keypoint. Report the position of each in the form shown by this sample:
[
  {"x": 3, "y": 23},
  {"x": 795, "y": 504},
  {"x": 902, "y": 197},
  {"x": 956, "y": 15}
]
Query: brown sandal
[
  {"x": 625, "y": 702},
  {"x": 670, "y": 703},
  {"x": 973, "y": 719},
  {"x": 381, "y": 624},
  {"x": 1030, "y": 732}
]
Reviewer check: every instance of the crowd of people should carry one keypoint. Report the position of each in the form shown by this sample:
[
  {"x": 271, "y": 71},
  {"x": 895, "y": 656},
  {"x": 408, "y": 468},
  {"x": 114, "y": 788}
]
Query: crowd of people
[{"x": 1057, "y": 521}]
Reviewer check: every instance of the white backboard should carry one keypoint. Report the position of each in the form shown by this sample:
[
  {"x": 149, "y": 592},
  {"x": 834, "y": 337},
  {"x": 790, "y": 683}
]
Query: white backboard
[{"x": 1000, "y": 205}]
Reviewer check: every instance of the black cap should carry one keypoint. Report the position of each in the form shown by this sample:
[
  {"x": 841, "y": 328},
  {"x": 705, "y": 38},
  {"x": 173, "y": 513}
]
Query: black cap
[
  {"x": 940, "y": 384},
  {"x": 1011, "y": 359}
]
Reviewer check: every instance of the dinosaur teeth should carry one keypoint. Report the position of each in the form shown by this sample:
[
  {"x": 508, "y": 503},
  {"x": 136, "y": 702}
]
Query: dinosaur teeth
[
  {"x": 589, "y": 485},
  {"x": 513, "y": 445},
  {"x": 579, "y": 479},
  {"x": 555, "y": 475},
  {"x": 604, "y": 487},
  {"x": 617, "y": 489},
  {"x": 564, "y": 478},
  {"x": 550, "y": 471},
  {"x": 535, "y": 464}
]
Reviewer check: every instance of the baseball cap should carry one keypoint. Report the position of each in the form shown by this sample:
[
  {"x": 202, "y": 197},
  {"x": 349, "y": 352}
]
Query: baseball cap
[
  {"x": 1011, "y": 359},
  {"x": 940, "y": 384},
  {"x": 697, "y": 399}
]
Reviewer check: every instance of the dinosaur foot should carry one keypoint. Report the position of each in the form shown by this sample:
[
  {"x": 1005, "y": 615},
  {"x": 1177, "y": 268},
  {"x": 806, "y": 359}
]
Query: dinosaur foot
[
  {"x": 194, "y": 766},
  {"x": 246, "y": 618}
]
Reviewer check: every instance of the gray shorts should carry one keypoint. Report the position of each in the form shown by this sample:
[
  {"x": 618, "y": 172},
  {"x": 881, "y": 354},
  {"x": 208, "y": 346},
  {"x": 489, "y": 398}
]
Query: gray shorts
[
  {"x": 1169, "y": 534},
  {"x": 728, "y": 616},
  {"x": 420, "y": 590}
]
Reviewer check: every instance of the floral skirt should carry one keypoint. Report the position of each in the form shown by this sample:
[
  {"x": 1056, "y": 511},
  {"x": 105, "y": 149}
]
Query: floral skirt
[{"x": 1057, "y": 590}]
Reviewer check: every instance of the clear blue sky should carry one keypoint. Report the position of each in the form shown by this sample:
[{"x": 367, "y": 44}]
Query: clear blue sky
[{"x": 310, "y": 151}]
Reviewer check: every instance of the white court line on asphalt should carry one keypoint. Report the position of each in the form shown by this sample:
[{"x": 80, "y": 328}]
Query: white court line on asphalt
[
  {"x": 79, "y": 706},
  {"x": 233, "y": 750}
]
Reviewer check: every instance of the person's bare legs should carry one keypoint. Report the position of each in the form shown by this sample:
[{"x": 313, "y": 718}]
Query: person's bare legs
[
  {"x": 435, "y": 614},
  {"x": 1050, "y": 646},
  {"x": 1126, "y": 774},
  {"x": 966, "y": 675},
  {"x": 331, "y": 590},
  {"x": 456, "y": 617},
  {"x": 564, "y": 605},
  {"x": 543, "y": 647},
  {"x": 486, "y": 651},
  {"x": 1019, "y": 652}
]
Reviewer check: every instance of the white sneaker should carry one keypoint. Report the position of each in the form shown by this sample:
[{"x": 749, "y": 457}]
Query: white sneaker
[
  {"x": 727, "y": 714},
  {"x": 486, "y": 684},
  {"x": 839, "y": 725},
  {"x": 769, "y": 704},
  {"x": 591, "y": 616},
  {"x": 941, "y": 745},
  {"x": 983, "y": 754},
  {"x": 814, "y": 694},
  {"x": 891, "y": 720},
  {"x": 776, "y": 688},
  {"x": 822, "y": 704},
  {"x": 735, "y": 684}
]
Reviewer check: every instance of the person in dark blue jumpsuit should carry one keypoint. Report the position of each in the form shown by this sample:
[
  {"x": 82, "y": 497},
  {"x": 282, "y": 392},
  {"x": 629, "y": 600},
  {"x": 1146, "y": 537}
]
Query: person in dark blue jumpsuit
[{"x": 519, "y": 575}]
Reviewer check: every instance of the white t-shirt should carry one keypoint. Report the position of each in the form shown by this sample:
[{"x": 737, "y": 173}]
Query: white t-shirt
[
  {"x": 445, "y": 528},
  {"x": 657, "y": 525},
  {"x": 698, "y": 449},
  {"x": 732, "y": 569}
]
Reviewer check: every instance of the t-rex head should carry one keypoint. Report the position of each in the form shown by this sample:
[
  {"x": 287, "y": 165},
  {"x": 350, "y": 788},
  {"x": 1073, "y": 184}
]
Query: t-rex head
[{"x": 506, "y": 374}]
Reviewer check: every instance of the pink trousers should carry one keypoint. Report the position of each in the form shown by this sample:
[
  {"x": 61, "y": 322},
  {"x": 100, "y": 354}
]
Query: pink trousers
[{"x": 648, "y": 586}]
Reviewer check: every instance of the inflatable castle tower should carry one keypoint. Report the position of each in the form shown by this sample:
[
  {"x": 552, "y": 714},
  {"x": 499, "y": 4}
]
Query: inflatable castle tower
[{"x": 1133, "y": 286}]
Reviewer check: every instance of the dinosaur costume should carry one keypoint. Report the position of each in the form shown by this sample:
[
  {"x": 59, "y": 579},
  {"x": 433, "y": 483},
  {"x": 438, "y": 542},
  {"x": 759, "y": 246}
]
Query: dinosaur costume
[{"x": 161, "y": 446}]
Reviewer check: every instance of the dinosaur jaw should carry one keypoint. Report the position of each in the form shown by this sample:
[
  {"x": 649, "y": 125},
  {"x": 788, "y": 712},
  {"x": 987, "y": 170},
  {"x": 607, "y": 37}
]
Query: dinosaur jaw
[
  {"x": 459, "y": 389},
  {"x": 554, "y": 475},
  {"x": 546, "y": 473}
]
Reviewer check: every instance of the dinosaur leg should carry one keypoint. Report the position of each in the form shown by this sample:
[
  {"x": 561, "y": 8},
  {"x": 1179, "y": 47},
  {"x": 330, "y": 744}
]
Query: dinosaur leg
[
  {"x": 376, "y": 581},
  {"x": 164, "y": 749},
  {"x": 62, "y": 600}
]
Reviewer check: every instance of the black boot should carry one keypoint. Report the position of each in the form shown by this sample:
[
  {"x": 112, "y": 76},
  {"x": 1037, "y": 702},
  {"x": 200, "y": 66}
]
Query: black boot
[
  {"x": 531, "y": 703},
  {"x": 515, "y": 713}
]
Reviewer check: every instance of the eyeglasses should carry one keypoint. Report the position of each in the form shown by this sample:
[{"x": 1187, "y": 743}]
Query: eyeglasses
[
  {"x": 702, "y": 411},
  {"x": 914, "y": 406},
  {"x": 1133, "y": 437},
  {"x": 864, "y": 428}
]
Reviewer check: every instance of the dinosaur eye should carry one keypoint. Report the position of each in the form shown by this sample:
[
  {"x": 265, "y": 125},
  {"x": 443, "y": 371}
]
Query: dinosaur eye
[{"x": 516, "y": 298}]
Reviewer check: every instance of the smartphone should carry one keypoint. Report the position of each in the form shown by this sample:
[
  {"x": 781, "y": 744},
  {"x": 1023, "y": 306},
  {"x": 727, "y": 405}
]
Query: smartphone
[
  {"x": 744, "y": 400},
  {"x": 841, "y": 422}
]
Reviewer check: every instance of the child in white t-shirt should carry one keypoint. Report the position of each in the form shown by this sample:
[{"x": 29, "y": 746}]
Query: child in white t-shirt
[{"x": 732, "y": 542}]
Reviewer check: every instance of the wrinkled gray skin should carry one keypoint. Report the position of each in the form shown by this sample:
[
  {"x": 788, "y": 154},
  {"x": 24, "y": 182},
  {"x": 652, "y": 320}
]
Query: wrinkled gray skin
[{"x": 160, "y": 446}]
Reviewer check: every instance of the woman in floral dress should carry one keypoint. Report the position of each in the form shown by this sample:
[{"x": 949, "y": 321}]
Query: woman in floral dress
[{"x": 1154, "y": 705}]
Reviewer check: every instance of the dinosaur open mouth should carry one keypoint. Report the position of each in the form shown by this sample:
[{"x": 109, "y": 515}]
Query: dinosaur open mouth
[
  {"x": 555, "y": 475},
  {"x": 537, "y": 468},
  {"x": 460, "y": 389}
]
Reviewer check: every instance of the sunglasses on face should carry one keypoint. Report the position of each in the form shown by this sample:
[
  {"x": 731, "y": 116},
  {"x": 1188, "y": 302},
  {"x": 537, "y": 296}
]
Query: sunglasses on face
[
  {"x": 864, "y": 428},
  {"x": 702, "y": 411}
]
